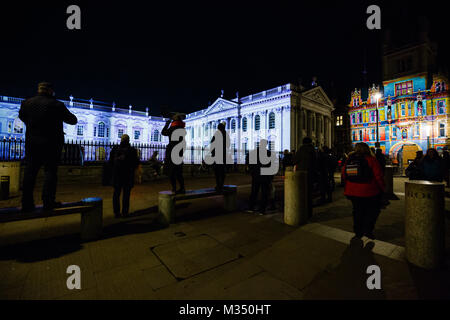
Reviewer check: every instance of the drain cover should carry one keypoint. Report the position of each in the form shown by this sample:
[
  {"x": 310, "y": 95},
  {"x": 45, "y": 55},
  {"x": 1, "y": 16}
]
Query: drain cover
[{"x": 190, "y": 256}]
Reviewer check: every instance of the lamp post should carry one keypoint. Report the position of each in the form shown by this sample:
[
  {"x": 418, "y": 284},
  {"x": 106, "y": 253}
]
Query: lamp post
[{"x": 377, "y": 96}]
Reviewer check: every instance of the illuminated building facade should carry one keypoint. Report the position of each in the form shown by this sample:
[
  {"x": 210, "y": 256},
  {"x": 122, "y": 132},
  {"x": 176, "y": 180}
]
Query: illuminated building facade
[
  {"x": 282, "y": 115},
  {"x": 412, "y": 109}
]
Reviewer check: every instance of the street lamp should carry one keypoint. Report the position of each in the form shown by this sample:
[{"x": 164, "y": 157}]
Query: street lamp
[{"x": 377, "y": 96}]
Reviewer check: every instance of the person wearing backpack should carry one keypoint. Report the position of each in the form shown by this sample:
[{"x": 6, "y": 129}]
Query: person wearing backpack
[
  {"x": 124, "y": 161},
  {"x": 363, "y": 186}
]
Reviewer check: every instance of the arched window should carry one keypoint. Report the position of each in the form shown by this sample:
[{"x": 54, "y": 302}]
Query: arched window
[
  {"x": 257, "y": 122},
  {"x": 271, "y": 120},
  {"x": 18, "y": 126},
  {"x": 244, "y": 124},
  {"x": 233, "y": 125},
  {"x": 101, "y": 129},
  {"x": 155, "y": 136}
]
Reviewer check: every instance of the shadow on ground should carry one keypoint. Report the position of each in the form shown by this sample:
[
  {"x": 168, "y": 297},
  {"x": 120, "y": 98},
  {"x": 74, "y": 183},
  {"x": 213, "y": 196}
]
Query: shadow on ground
[{"x": 347, "y": 280}]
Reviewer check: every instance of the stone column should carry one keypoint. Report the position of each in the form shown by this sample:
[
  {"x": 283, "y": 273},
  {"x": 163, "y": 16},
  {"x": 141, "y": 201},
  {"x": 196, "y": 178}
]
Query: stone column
[
  {"x": 295, "y": 197},
  {"x": 424, "y": 223}
]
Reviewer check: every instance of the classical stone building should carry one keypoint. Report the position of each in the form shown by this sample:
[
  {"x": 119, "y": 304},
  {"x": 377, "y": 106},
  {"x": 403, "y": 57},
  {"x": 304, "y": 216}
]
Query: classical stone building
[{"x": 282, "y": 115}]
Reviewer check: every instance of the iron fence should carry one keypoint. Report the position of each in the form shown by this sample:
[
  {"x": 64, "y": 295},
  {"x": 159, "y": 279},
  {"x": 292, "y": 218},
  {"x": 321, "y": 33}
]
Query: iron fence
[{"x": 81, "y": 152}]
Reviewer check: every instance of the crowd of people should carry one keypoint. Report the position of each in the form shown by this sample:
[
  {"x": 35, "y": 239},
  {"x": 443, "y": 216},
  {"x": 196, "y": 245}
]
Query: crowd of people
[{"x": 362, "y": 171}]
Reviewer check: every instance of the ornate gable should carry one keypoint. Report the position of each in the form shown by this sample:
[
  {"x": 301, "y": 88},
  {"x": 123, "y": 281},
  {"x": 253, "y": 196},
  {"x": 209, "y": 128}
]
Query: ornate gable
[
  {"x": 220, "y": 105},
  {"x": 318, "y": 95}
]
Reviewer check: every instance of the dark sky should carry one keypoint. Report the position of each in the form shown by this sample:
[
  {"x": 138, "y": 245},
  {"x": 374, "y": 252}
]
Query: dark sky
[{"x": 182, "y": 54}]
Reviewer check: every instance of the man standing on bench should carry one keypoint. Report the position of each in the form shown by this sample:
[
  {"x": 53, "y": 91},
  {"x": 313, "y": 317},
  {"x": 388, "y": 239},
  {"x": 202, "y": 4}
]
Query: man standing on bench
[
  {"x": 43, "y": 116},
  {"x": 174, "y": 129}
]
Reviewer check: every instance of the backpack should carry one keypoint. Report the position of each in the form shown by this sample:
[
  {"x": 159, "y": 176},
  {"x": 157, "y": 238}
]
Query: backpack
[{"x": 357, "y": 170}]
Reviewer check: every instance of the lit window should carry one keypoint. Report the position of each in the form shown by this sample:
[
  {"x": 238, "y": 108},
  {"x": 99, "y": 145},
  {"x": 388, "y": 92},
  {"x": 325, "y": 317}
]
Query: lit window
[
  {"x": 244, "y": 124},
  {"x": 409, "y": 109},
  {"x": 95, "y": 131},
  {"x": 417, "y": 130},
  {"x": 353, "y": 118},
  {"x": 10, "y": 126},
  {"x": 360, "y": 118},
  {"x": 360, "y": 135},
  {"x": 271, "y": 145},
  {"x": 137, "y": 134},
  {"x": 404, "y": 88},
  {"x": 18, "y": 126},
  {"x": 80, "y": 130},
  {"x": 119, "y": 133},
  {"x": 101, "y": 129},
  {"x": 403, "y": 110},
  {"x": 233, "y": 126},
  {"x": 156, "y": 135},
  {"x": 257, "y": 122},
  {"x": 271, "y": 120},
  {"x": 441, "y": 129},
  {"x": 394, "y": 133},
  {"x": 441, "y": 107}
]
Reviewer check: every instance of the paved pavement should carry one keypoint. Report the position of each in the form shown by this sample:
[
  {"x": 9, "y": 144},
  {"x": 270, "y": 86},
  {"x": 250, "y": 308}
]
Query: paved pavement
[{"x": 210, "y": 254}]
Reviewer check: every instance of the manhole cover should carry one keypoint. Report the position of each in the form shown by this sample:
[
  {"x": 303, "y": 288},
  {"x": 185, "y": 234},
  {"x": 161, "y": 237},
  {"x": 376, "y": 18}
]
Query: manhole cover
[{"x": 190, "y": 256}]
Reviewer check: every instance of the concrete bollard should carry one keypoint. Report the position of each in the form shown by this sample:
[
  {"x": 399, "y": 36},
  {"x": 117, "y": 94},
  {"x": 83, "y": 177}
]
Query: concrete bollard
[
  {"x": 230, "y": 201},
  {"x": 389, "y": 180},
  {"x": 424, "y": 223},
  {"x": 295, "y": 197},
  {"x": 92, "y": 219},
  {"x": 166, "y": 208}
]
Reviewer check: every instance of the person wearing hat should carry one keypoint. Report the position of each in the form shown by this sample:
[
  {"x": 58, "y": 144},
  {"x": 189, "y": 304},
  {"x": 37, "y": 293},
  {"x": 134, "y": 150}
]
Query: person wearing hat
[
  {"x": 43, "y": 116},
  {"x": 175, "y": 170},
  {"x": 124, "y": 160}
]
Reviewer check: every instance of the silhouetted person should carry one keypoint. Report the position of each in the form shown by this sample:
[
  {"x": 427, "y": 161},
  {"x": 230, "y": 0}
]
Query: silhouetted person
[
  {"x": 259, "y": 181},
  {"x": 413, "y": 171},
  {"x": 305, "y": 160},
  {"x": 124, "y": 161},
  {"x": 155, "y": 163},
  {"x": 287, "y": 160},
  {"x": 326, "y": 167},
  {"x": 219, "y": 168},
  {"x": 381, "y": 158},
  {"x": 364, "y": 186},
  {"x": 175, "y": 171},
  {"x": 43, "y": 116},
  {"x": 432, "y": 166}
]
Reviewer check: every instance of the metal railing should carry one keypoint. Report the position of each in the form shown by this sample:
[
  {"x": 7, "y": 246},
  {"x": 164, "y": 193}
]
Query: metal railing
[{"x": 80, "y": 152}]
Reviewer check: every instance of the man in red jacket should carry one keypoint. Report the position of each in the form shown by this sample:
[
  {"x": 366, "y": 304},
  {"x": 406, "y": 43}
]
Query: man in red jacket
[{"x": 364, "y": 186}]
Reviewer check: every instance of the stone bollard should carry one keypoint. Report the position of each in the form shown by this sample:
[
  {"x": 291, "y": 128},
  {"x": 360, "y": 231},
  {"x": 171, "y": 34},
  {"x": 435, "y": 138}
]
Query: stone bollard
[
  {"x": 424, "y": 223},
  {"x": 389, "y": 180},
  {"x": 92, "y": 219},
  {"x": 295, "y": 197},
  {"x": 230, "y": 201},
  {"x": 166, "y": 208}
]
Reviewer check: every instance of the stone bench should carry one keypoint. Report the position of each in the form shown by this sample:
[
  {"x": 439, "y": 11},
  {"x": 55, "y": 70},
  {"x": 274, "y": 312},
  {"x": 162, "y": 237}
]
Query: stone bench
[
  {"x": 91, "y": 210},
  {"x": 167, "y": 199}
]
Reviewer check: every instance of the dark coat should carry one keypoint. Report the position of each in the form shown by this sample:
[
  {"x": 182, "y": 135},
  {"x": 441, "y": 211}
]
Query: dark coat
[
  {"x": 225, "y": 146},
  {"x": 167, "y": 131},
  {"x": 43, "y": 116},
  {"x": 123, "y": 161},
  {"x": 432, "y": 169}
]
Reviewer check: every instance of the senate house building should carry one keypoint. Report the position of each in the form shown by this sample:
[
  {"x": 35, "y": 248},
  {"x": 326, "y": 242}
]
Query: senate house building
[{"x": 282, "y": 115}]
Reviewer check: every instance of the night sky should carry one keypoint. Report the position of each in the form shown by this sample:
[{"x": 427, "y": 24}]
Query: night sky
[{"x": 181, "y": 54}]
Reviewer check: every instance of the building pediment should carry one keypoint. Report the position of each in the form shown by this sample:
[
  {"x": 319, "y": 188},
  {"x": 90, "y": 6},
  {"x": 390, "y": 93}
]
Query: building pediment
[
  {"x": 318, "y": 95},
  {"x": 220, "y": 105}
]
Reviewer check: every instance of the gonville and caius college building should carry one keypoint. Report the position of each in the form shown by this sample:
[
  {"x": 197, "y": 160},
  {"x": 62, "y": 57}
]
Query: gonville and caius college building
[
  {"x": 282, "y": 115},
  {"x": 412, "y": 107}
]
